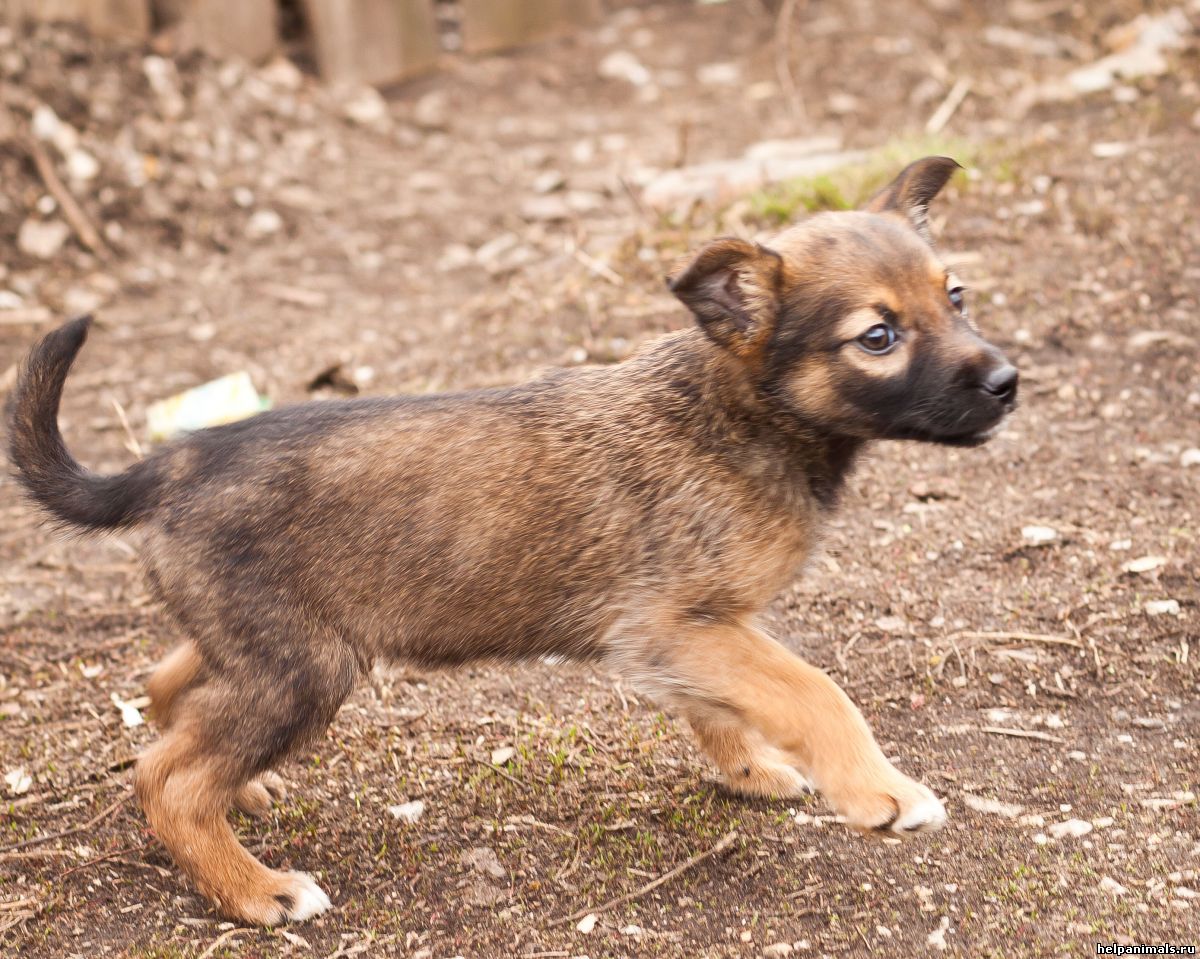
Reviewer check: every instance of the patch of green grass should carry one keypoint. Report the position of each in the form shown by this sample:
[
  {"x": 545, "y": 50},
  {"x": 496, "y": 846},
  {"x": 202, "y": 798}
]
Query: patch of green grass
[{"x": 849, "y": 187}]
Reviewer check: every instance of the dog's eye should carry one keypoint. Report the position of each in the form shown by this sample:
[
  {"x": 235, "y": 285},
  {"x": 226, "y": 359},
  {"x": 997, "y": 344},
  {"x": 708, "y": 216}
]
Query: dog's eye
[
  {"x": 878, "y": 339},
  {"x": 956, "y": 294}
]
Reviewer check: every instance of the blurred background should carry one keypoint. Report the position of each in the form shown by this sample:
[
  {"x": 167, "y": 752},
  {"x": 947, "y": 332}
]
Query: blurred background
[{"x": 326, "y": 198}]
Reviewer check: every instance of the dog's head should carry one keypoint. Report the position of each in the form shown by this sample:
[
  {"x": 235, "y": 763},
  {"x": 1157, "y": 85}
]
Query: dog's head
[{"x": 851, "y": 322}]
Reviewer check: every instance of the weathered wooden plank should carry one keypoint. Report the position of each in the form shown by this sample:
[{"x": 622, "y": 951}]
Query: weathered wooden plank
[
  {"x": 498, "y": 24},
  {"x": 372, "y": 41},
  {"x": 117, "y": 18},
  {"x": 230, "y": 28},
  {"x": 48, "y": 10},
  {"x": 106, "y": 18}
]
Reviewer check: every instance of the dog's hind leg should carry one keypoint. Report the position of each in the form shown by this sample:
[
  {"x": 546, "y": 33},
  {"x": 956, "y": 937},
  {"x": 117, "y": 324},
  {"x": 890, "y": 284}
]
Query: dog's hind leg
[
  {"x": 242, "y": 720},
  {"x": 179, "y": 672},
  {"x": 174, "y": 676}
]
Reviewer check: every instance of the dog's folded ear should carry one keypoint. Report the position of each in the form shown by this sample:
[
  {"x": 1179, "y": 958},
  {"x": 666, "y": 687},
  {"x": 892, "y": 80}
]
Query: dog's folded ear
[
  {"x": 913, "y": 190},
  {"x": 732, "y": 288}
]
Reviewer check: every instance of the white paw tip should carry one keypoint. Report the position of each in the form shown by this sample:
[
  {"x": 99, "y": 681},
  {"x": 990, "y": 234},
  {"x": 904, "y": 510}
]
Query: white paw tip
[
  {"x": 308, "y": 899},
  {"x": 925, "y": 815}
]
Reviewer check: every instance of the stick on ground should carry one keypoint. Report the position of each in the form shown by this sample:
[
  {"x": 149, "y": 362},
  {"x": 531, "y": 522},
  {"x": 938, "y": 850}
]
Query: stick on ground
[
  {"x": 38, "y": 840},
  {"x": 725, "y": 842}
]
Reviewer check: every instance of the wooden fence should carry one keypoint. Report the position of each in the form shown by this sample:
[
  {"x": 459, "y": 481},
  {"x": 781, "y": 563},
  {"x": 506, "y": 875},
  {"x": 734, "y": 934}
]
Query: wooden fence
[{"x": 354, "y": 41}]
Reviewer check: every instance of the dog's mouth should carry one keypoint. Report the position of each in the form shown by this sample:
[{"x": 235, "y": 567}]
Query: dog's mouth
[{"x": 976, "y": 436}]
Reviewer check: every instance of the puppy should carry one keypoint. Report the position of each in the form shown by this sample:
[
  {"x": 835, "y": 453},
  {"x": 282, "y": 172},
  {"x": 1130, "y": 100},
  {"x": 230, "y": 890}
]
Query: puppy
[{"x": 642, "y": 513}]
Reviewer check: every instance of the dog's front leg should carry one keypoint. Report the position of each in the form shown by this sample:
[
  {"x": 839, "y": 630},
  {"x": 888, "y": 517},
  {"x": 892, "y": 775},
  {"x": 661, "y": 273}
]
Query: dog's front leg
[{"x": 751, "y": 701}]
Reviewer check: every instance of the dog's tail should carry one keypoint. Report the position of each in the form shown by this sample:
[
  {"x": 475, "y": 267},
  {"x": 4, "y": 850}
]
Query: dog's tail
[{"x": 51, "y": 475}]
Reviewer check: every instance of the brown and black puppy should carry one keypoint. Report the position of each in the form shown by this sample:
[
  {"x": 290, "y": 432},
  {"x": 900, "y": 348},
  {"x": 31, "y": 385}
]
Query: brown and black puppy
[{"x": 644, "y": 513}]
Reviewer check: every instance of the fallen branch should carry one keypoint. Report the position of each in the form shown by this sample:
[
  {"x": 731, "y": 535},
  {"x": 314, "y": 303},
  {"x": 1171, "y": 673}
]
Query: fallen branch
[
  {"x": 38, "y": 840},
  {"x": 115, "y": 854},
  {"x": 725, "y": 842},
  {"x": 783, "y": 57},
  {"x": 1022, "y": 638},
  {"x": 941, "y": 116},
  {"x": 1021, "y": 734},
  {"x": 34, "y": 854},
  {"x": 74, "y": 214}
]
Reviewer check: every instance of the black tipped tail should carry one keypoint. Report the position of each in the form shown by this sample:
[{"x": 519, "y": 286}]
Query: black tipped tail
[{"x": 44, "y": 467}]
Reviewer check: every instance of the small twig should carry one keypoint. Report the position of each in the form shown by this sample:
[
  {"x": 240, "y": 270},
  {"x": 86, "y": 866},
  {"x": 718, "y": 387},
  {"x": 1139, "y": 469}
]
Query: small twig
[
  {"x": 38, "y": 840},
  {"x": 602, "y": 270},
  {"x": 500, "y": 772},
  {"x": 783, "y": 57},
  {"x": 221, "y": 940},
  {"x": 941, "y": 116},
  {"x": 35, "y": 854},
  {"x": 79, "y": 221},
  {"x": 1021, "y": 637},
  {"x": 725, "y": 842},
  {"x": 99, "y": 859},
  {"x": 131, "y": 442},
  {"x": 1021, "y": 734}
]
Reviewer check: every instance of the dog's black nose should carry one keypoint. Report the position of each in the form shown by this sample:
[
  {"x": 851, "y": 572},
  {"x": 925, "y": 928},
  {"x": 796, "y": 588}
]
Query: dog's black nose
[{"x": 1002, "y": 383}]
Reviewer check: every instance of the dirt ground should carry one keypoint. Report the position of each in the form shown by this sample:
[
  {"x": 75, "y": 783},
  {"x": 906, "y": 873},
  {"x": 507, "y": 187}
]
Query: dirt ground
[{"x": 485, "y": 224}]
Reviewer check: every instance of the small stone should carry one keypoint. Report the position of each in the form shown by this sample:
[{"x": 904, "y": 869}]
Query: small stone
[
  {"x": 548, "y": 181},
  {"x": 992, "y": 806},
  {"x": 130, "y": 715},
  {"x": 408, "y": 812},
  {"x": 587, "y": 923},
  {"x": 778, "y": 949},
  {"x": 719, "y": 75},
  {"x": 937, "y": 938},
  {"x": 484, "y": 860},
  {"x": 545, "y": 209},
  {"x": 623, "y": 65},
  {"x": 1074, "y": 828},
  {"x": 1143, "y": 564},
  {"x": 431, "y": 112},
  {"x": 1112, "y": 887},
  {"x": 1038, "y": 535},
  {"x": 283, "y": 73},
  {"x": 1190, "y": 457},
  {"x": 18, "y": 781},
  {"x": 366, "y": 107},
  {"x": 42, "y": 238},
  {"x": 1162, "y": 607},
  {"x": 502, "y": 755},
  {"x": 82, "y": 166},
  {"x": 263, "y": 223}
]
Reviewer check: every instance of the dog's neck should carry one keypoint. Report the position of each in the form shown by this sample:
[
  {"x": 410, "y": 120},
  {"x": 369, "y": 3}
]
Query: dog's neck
[{"x": 718, "y": 402}]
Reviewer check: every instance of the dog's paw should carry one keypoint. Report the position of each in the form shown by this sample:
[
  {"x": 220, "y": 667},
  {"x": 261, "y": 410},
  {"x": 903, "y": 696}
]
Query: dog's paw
[
  {"x": 256, "y": 797},
  {"x": 893, "y": 804},
  {"x": 306, "y": 900},
  {"x": 284, "y": 897}
]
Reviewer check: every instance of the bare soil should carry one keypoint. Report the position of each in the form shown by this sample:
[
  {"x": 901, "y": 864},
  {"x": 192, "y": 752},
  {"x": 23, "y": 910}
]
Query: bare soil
[{"x": 1028, "y": 684}]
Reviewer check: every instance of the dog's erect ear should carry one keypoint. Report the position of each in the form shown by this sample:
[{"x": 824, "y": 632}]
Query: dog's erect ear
[
  {"x": 732, "y": 288},
  {"x": 913, "y": 190}
]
